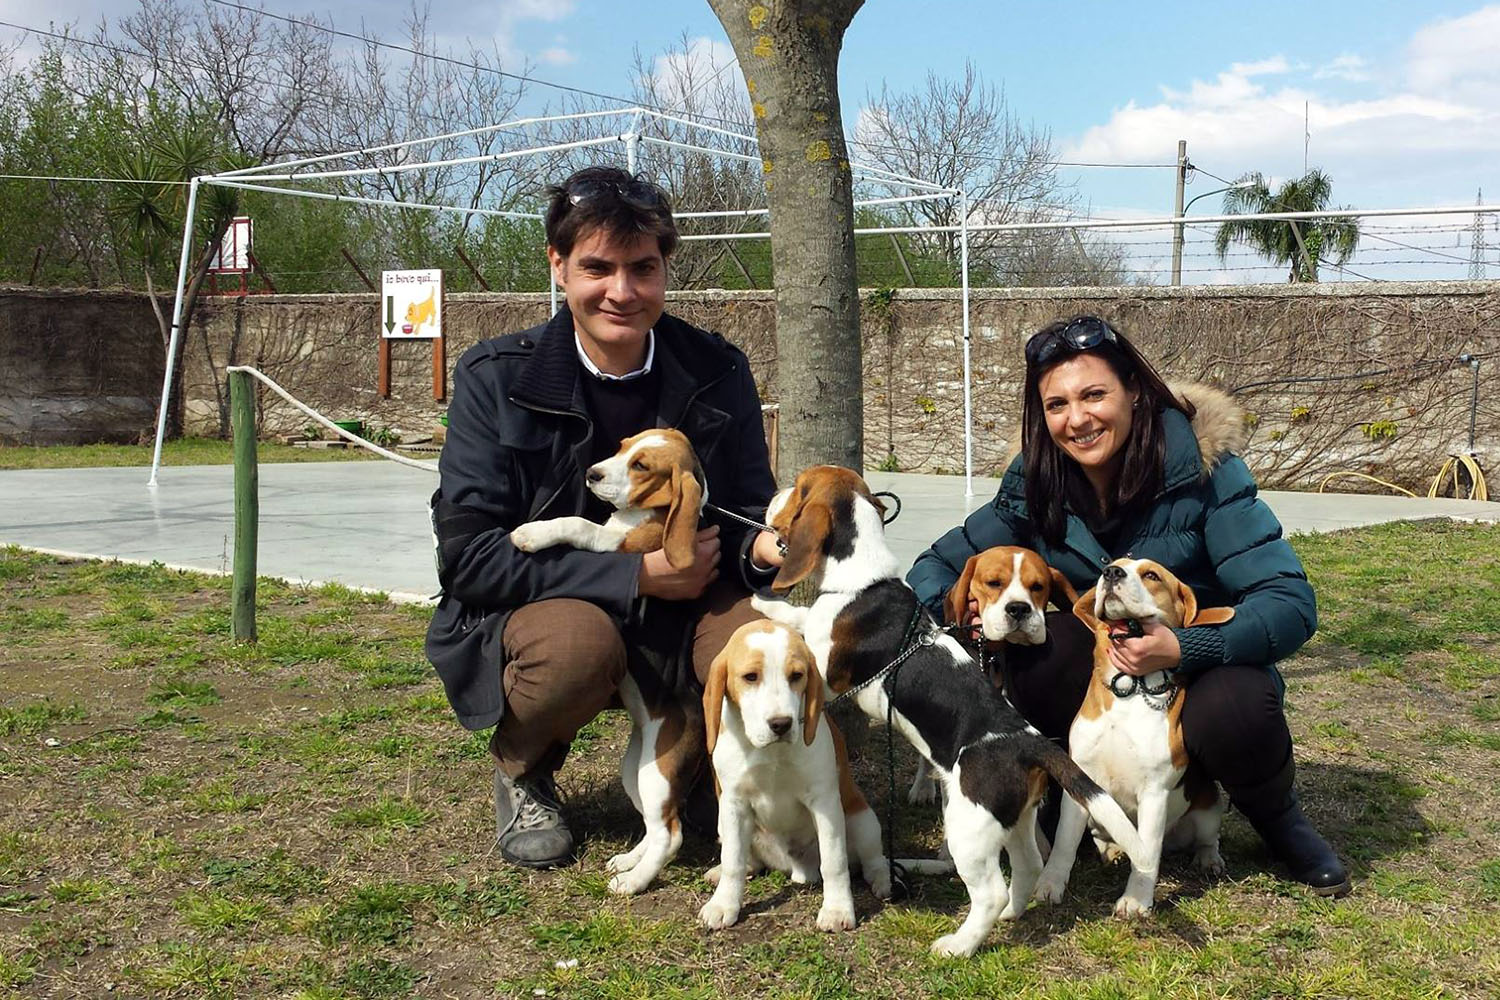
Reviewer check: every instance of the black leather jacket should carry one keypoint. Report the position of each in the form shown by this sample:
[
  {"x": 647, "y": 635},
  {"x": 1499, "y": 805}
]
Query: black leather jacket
[{"x": 516, "y": 451}]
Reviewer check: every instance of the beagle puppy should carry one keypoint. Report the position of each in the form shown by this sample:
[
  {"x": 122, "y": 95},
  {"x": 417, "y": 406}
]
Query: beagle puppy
[
  {"x": 656, "y": 486},
  {"x": 870, "y": 635},
  {"x": 1012, "y": 587},
  {"x": 786, "y": 798},
  {"x": 1128, "y": 736}
]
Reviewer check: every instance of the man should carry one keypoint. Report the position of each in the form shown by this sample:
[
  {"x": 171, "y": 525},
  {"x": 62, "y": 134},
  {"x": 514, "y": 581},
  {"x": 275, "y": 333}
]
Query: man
[{"x": 536, "y": 644}]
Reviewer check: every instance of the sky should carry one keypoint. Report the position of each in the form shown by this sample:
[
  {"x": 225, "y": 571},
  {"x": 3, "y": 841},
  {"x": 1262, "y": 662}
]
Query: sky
[{"x": 1402, "y": 99}]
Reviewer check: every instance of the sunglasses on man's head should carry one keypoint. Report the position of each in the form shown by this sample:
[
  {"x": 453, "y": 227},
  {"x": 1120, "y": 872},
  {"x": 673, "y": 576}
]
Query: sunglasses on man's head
[
  {"x": 1080, "y": 335},
  {"x": 636, "y": 193}
]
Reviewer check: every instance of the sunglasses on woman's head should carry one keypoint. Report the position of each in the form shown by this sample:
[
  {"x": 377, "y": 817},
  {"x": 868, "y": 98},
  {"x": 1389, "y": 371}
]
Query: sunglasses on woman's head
[
  {"x": 1080, "y": 335},
  {"x": 636, "y": 193}
]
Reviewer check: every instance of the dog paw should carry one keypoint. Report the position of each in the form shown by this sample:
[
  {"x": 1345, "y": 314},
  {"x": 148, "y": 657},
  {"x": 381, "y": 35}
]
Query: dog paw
[
  {"x": 836, "y": 917},
  {"x": 879, "y": 881},
  {"x": 629, "y": 883},
  {"x": 923, "y": 792},
  {"x": 1209, "y": 860},
  {"x": 953, "y": 946},
  {"x": 712, "y": 875},
  {"x": 621, "y": 863},
  {"x": 1109, "y": 851},
  {"x": 1128, "y": 907},
  {"x": 528, "y": 537},
  {"x": 1049, "y": 889},
  {"x": 717, "y": 915}
]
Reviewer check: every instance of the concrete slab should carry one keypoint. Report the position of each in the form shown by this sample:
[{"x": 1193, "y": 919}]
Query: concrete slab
[{"x": 364, "y": 524}]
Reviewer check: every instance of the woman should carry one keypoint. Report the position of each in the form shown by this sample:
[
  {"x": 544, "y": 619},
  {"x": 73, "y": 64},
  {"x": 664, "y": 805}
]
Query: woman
[{"x": 1114, "y": 462}]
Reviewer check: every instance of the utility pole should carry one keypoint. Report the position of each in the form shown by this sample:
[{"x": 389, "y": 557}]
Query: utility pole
[
  {"x": 1477, "y": 246},
  {"x": 1182, "y": 168}
]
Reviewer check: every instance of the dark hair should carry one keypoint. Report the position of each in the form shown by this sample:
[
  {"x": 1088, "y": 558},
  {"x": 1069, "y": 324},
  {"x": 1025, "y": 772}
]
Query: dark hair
[
  {"x": 608, "y": 198},
  {"x": 1054, "y": 480}
]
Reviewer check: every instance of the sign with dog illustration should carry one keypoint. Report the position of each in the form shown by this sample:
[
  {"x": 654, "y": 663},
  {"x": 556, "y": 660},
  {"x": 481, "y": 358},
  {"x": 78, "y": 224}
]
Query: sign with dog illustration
[{"x": 411, "y": 304}]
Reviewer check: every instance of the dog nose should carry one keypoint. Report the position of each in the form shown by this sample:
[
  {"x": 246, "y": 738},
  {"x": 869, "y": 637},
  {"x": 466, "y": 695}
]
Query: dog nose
[
  {"x": 780, "y": 725},
  {"x": 1018, "y": 609},
  {"x": 1113, "y": 574},
  {"x": 595, "y": 474}
]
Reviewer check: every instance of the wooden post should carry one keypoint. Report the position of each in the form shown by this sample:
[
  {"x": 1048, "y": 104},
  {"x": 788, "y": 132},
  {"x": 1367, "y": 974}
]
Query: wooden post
[
  {"x": 440, "y": 369},
  {"x": 472, "y": 269},
  {"x": 36, "y": 263},
  {"x": 383, "y": 363},
  {"x": 246, "y": 505}
]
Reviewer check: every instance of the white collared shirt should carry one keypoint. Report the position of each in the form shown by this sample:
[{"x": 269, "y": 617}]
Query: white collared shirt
[{"x": 593, "y": 369}]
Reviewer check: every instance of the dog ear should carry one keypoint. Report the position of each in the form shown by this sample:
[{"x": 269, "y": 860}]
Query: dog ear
[
  {"x": 812, "y": 704},
  {"x": 1062, "y": 588},
  {"x": 680, "y": 539},
  {"x": 1083, "y": 609},
  {"x": 1211, "y": 616},
  {"x": 1189, "y": 602},
  {"x": 804, "y": 545},
  {"x": 956, "y": 609},
  {"x": 714, "y": 690}
]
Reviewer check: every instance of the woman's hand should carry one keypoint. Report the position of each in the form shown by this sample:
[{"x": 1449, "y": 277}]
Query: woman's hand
[
  {"x": 659, "y": 579},
  {"x": 1157, "y": 650},
  {"x": 765, "y": 551}
]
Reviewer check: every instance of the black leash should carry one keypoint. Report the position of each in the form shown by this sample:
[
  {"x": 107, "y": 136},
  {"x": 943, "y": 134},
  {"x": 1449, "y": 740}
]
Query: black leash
[{"x": 909, "y": 646}]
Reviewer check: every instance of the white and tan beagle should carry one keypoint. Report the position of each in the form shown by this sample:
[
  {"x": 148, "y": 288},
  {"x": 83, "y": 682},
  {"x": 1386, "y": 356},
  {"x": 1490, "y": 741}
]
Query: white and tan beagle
[
  {"x": 656, "y": 485},
  {"x": 786, "y": 798},
  {"x": 870, "y": 635},
  {"x": 1128, "y": 737}
]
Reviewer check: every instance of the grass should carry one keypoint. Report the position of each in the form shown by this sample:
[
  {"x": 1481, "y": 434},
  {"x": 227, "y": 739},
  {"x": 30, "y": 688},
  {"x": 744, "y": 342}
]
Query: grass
[
  {"x": 183, "y": 451},
  {"x": 183, "y": 816}
]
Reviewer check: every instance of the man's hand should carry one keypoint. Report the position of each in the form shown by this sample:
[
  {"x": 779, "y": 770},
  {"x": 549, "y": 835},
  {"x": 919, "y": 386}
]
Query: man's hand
[
  {"x": 659, "y": 579},
  {"x": 765, "y": 551},
  {"x": 1157, "y": 650}
]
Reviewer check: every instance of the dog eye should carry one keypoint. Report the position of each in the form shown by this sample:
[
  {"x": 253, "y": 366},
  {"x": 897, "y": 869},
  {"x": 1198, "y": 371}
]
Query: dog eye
[
  {"x": 1036, "y": 588},
  {"x": 638, "y": 465},
  {"x": 1151, "y": 574},
  {"x": 795, "y": 676},
  {"x": 751, "y": 677},
  {"x": 996, "y": 584}
]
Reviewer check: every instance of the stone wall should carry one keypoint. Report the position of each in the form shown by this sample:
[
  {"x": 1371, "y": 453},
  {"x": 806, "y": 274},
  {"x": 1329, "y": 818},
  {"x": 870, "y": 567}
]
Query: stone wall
[
  {"x": 1333, "y": 376},
  {"x": 77, "y": 367}
]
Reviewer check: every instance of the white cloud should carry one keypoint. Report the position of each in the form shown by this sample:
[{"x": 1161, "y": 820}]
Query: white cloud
[
  {"x": 694, "y": 71},
  {"x": 556, "y": 56},
  {"x": 1437, "y": 123},
  {"x": 1347, "y": 66},
  {"x": 511, "y": 15},
  {"x": 1457, "y": 56}
]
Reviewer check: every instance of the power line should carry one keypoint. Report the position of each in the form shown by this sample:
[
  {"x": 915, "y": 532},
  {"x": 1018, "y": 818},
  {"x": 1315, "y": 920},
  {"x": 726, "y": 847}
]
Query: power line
[{"x": 89, "y": 180}]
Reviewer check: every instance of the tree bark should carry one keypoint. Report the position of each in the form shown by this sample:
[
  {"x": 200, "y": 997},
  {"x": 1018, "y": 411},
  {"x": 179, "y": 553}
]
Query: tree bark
[{"x": 788, "y": 51}]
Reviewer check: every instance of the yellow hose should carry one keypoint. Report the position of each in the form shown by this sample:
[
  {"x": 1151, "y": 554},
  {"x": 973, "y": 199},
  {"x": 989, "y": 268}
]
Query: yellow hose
[{"x": 1478, "y": 490}]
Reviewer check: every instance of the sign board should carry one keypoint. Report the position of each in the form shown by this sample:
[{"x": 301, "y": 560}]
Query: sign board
[
  {"x": 411, "y": 304},
  {"x": 233, "y": 254}
]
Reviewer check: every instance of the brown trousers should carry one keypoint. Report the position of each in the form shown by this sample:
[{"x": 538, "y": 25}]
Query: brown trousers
[{"x": 564, "y": 660}]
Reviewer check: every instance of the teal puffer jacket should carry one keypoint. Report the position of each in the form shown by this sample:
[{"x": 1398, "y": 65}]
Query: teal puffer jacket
[{"x": 1208, "y": 526}]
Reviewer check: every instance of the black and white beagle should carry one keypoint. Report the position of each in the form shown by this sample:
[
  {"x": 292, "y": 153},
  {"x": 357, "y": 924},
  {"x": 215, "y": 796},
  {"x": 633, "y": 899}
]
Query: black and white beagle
[
  {"x": 656, "y": 486},
  {"x": 871, "y": 636}
]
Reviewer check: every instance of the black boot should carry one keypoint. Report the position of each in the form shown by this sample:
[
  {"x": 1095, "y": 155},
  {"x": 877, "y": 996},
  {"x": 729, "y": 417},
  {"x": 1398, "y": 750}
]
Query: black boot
[{"x": 1272, "y": 809}]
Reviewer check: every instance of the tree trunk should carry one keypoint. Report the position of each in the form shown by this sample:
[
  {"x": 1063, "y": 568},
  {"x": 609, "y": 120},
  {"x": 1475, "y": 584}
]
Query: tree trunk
[{"x": 788, "y": 51}]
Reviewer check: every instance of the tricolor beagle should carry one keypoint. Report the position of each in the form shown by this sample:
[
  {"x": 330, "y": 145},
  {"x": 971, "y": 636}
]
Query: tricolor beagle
[
  {"x": 656, "y": 485},
  {"x": 871, "y": 636},
  {"x": 1010, "y": 587},
  {"x": 786, "y": 799},
  {"x": 1128, "y": 737}
]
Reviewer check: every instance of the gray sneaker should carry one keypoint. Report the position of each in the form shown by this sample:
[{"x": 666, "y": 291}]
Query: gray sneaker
[{"x": 529, "y": 827}]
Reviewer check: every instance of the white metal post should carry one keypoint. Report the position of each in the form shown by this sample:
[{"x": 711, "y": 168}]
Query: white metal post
[
  {"x": 963, "y": 245},
  {"x": 175, "y": 339}
]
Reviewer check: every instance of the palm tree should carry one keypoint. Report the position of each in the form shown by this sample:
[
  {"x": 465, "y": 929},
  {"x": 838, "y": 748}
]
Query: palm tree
[{"x": 1298, "y": 245}]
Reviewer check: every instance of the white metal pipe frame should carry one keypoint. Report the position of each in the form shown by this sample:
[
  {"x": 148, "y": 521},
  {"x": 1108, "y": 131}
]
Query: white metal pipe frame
[{"x": 256, "y": 178}]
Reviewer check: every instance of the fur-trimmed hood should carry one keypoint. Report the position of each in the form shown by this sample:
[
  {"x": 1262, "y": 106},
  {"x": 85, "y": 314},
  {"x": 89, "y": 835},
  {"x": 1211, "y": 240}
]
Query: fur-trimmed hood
[{"x": 1218, "y": 424}]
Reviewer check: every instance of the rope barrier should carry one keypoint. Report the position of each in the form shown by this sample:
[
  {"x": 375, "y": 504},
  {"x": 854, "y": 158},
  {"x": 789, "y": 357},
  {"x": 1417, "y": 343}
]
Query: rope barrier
[{"x": 347, "y": 435}]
